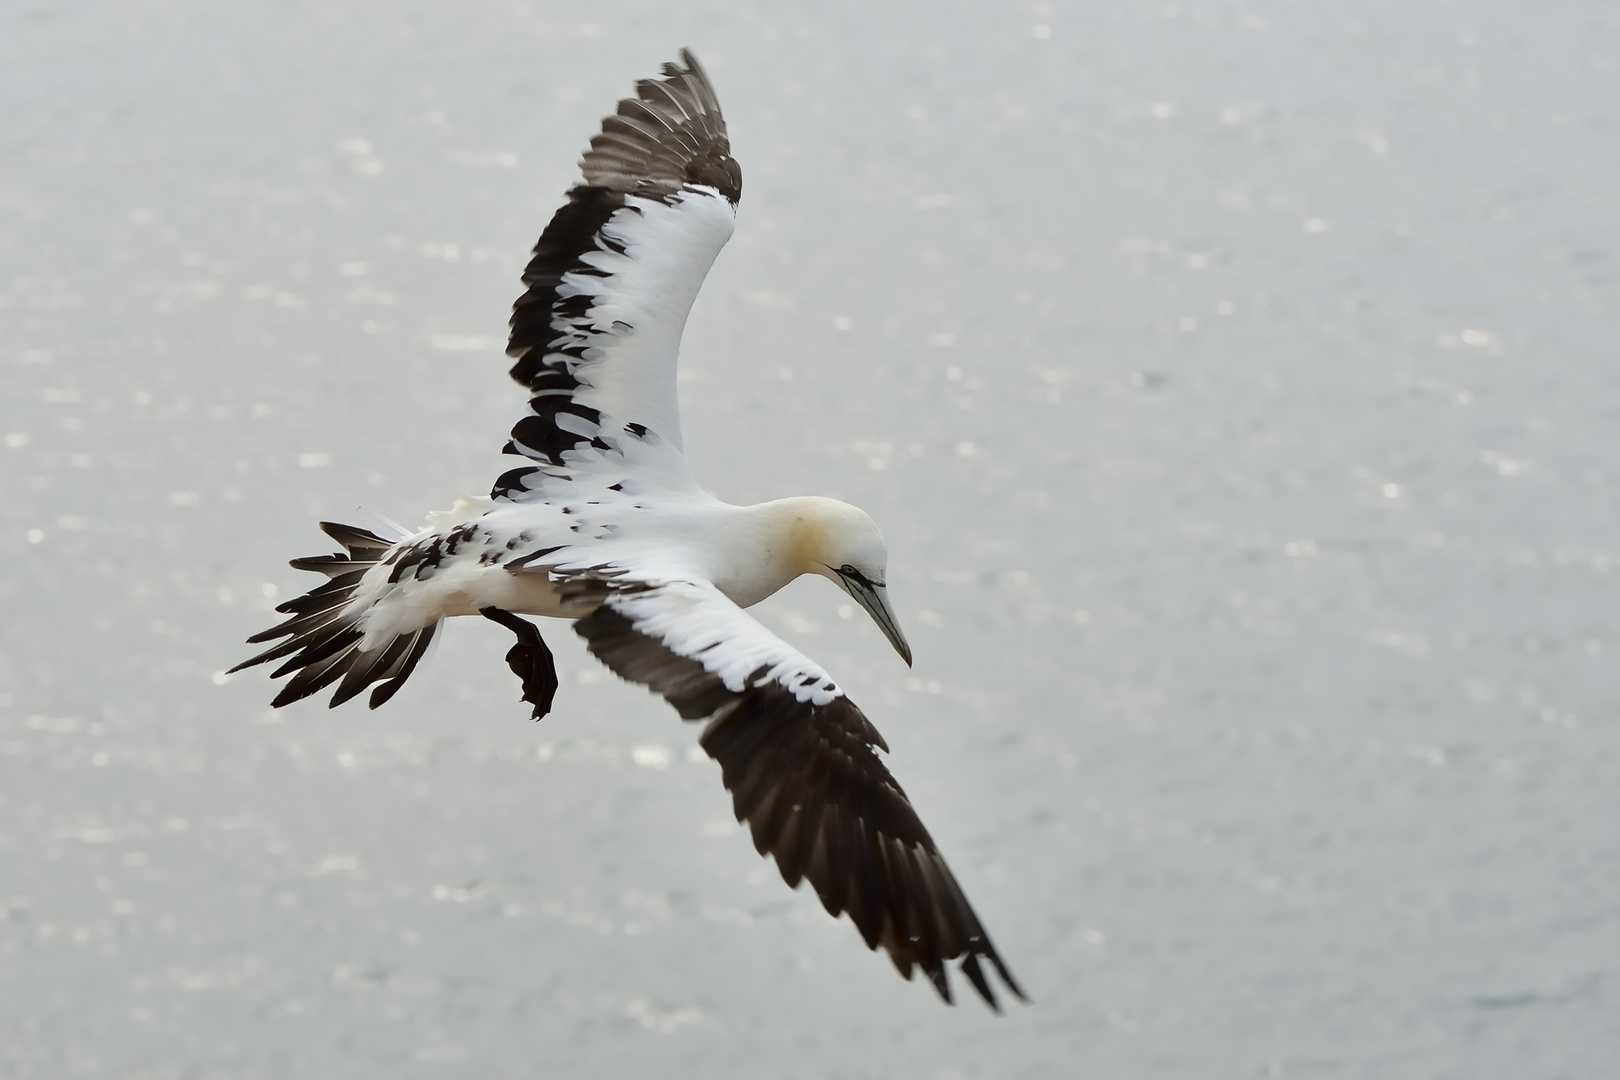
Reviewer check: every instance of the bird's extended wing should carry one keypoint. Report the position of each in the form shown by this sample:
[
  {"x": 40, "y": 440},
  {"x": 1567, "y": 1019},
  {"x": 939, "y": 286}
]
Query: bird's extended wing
[
  {"x": 800, "y": 762},
  {"x": 613, "y": 277}
]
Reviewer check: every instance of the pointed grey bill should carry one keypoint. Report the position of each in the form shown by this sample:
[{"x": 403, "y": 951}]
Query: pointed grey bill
[{"x": 875, "y": 599}]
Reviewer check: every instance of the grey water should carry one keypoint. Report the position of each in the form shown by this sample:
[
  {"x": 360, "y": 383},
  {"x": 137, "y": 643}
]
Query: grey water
[{"x": 1236, "y": 384}]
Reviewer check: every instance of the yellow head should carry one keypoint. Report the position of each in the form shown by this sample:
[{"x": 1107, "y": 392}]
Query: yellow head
[{"x": 842, "y": 543}]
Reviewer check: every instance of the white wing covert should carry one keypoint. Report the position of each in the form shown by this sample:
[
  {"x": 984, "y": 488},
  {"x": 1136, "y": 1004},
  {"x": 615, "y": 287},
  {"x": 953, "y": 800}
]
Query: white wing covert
[{"x": 596, "y": 336}]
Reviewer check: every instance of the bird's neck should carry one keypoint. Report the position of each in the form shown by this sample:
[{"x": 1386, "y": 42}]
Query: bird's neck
[{"x": 769, "y": 544}]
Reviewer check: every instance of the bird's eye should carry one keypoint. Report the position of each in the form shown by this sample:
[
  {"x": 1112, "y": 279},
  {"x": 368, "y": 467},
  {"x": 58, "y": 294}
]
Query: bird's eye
[{"x": 849, "y": 571}]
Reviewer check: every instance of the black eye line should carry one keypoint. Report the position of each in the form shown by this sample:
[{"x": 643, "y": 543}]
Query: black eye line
[{"x": 850, "y": 572}]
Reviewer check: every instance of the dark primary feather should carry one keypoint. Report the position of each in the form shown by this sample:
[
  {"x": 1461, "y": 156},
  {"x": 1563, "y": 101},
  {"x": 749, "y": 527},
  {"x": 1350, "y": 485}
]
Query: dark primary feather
[
  {"x": 816, "y": 796},
  {"x": 670, "y": 134}
]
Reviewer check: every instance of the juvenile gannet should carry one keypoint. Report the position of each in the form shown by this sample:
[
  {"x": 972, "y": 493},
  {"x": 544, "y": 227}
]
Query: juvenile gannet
[{"x": 606, "y": 526}]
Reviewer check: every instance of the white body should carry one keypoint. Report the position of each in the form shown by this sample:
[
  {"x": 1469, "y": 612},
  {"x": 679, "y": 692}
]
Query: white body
[{"x": 746, "y": 552}]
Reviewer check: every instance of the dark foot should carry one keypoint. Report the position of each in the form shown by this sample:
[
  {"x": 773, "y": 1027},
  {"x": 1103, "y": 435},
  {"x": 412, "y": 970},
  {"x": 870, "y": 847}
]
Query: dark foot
[{"x": 529, "y": 660}]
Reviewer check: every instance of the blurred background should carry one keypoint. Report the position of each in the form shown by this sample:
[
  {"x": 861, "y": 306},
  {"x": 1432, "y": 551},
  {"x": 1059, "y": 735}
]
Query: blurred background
[{"x": 1234, "y": 380}]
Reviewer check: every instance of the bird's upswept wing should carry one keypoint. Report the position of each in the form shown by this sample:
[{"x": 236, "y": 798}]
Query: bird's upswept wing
[
  {"x": 800, "y": 761},
  {"x": 613, "y": 277}
]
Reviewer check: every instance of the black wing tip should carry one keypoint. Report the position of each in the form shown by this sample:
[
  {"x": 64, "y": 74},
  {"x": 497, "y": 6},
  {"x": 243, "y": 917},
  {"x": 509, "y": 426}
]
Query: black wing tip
[
  {"x": 937, "y": 968},
  {"x": 671, "y": 134},
  {"x": 985, "y": 986}
]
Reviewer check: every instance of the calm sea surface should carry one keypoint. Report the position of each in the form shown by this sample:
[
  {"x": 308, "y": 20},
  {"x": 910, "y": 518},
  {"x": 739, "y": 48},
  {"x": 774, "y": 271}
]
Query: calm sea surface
[{"x": 1236, "y": 383}]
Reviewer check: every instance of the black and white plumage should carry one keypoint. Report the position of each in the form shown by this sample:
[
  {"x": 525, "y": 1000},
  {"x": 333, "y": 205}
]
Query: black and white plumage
[{"x": 606, "y": 526}]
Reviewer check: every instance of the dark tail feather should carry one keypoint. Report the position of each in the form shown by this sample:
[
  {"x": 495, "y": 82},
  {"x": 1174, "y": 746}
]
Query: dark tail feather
[
  {"x": 368, "y": 669},
  {"x": 422, "y": 639},
  {"x": 362, "y": 545},
  {"x": 323, "y": 637}
]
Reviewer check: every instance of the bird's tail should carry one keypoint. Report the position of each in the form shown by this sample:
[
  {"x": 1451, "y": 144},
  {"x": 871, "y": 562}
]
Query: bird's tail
[{"x": 324, "y": 633}]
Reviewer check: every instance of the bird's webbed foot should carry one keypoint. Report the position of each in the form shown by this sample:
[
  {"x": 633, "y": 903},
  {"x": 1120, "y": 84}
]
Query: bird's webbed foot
[{"x": 529, "y": 660}]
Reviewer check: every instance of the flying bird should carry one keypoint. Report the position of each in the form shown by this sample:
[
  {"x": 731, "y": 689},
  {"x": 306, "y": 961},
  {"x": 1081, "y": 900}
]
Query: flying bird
[{"x": 605, "y": 525}]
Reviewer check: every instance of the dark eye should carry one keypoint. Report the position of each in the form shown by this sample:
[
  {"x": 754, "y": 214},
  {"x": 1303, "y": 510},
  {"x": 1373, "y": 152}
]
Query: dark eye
[{"x": 849, "y": 571}]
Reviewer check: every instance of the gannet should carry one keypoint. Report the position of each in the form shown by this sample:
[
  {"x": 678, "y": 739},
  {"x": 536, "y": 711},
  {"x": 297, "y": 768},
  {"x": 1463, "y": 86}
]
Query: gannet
[{"x": 606, "y": 526}]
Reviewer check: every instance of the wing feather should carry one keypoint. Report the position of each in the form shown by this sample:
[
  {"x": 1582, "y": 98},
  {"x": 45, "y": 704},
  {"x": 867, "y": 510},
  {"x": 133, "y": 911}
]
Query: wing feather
[
  {"x": 801, "y": 763},
  {"x": 596, "y": 335}
]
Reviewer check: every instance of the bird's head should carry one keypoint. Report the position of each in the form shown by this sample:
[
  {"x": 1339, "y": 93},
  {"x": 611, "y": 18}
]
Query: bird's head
[{"x": 846, "y": 548}]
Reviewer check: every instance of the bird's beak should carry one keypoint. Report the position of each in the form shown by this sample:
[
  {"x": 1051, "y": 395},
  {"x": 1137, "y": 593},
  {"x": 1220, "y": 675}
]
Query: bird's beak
[{"x": 874, "y": 598}]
